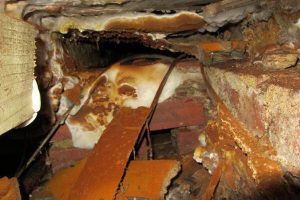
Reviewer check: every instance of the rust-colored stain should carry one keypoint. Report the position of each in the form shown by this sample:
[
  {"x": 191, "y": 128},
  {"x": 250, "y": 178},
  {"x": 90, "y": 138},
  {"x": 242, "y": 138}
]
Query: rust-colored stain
[
  {"x": 9, "y": 189},
  {"x": 257, "y": 152},
  {"x": 248, "y": 143},
  {"x": 148, "y": 179},
  {"x": 180, "y": 22},
  {"x": 105, "y": 166},
  {"x": 228, "y": 136}
]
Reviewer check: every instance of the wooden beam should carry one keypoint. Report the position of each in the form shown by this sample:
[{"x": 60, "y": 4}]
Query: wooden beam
[
  {"x": 148, "y": 179},
  {"x": 105, "y": 166}
]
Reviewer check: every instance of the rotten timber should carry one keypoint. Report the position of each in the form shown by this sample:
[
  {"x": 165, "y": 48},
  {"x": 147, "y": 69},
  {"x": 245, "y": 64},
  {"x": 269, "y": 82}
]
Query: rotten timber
[
  {"x": 148, "y": 179},
  {"x": 105, "y": 166},
  {"x": 118, "y": 142},
  {"x": 232, "y": 137}
]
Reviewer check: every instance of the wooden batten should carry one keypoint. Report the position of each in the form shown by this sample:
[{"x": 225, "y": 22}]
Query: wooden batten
[{"x": 17, "y": 62}]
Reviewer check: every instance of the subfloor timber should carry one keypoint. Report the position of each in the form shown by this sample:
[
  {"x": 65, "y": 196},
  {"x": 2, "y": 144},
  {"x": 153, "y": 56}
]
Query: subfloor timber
[
  {"x": 103, "y": 171},
  {"x": 147, "y": 179},
  {"x": 105, "y": 166}
]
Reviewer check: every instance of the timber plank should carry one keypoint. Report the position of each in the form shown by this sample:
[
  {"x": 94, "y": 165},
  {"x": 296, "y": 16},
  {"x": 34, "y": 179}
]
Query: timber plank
[
  {"x": 143, "y": 178},
  {"x": 148, "y": 179},
  {"x": 105, "y": 166}
]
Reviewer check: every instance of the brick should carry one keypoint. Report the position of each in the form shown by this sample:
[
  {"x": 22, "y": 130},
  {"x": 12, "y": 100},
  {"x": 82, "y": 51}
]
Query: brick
[
  {"x": 187, "y": 140},
  {"x": 265, "y": 102},
  {"x": 177, "y": 113},
  {"x": 65, "y": 157},
  {"x": 62, "y": 133},
  {"x": 142, "y": 153},
  {"x": 62, "y": 154}
]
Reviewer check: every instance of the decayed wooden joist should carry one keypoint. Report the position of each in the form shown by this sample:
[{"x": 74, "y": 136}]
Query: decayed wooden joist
[
  {"x": 144, "y": 178},
  {"x": 17, "y": 62},
  {"x": 148, "y": 179},
  {"x": 105, "y": 166}
]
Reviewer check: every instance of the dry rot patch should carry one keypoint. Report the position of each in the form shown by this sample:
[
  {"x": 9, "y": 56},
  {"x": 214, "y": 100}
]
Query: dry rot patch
[
  {"x": 120, "y": 86},
  {"x": 228, "y": 140}
]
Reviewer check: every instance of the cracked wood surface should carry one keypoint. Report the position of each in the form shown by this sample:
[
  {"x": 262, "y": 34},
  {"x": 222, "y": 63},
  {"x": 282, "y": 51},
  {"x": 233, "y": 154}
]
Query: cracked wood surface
[
  {"x": 148, "y": 179},
  {"x": 144, "y": 178},
  {"x": 105, "y": 166},
  {"x": 113, "y": 150}
]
